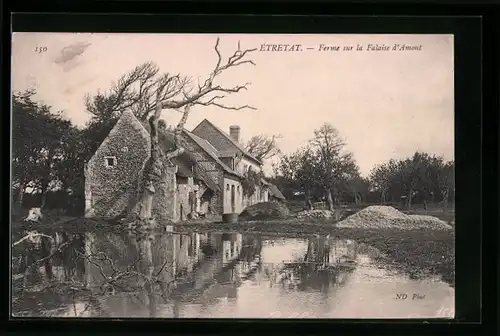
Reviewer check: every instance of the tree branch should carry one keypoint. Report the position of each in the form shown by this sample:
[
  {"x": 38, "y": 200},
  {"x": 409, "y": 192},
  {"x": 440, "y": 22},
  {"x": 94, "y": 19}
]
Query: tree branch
[{"x": 235, "y": 60}]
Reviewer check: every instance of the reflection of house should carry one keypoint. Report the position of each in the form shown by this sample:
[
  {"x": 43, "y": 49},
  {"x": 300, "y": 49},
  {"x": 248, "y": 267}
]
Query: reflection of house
[
  {"x": 206, "y": 178},
  {"x": 178, "y": 262},
  {"x": 342, "y": 250},
  {"x": 231, "y": 247},
  {"x": 318, "y": 250}
]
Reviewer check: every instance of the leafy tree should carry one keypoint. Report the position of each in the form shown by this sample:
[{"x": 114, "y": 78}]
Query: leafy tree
[
  {"x": 356, "y": 188},
  {"x": 37, "y": 150},
  {"x": 69, "y": 170},
  {"x": 251, "y": 181},
  {"x": 322, "y": 169},
  {"x": 334, "y": 164},
  {"x": 421, "y": 175},
  {"x": 298, "y": 172}
]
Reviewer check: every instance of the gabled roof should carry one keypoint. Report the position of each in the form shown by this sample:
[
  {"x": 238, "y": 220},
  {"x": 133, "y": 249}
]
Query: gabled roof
[
  {"x": 183, "y": 161},
  {"x": 276, "y": 192},
  {"x": 237, "y": 145},
  {"x": 211, "y": 151}
]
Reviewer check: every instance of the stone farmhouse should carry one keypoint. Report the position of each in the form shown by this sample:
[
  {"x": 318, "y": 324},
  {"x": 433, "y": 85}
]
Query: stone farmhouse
[{"x": 205, "y": 179}]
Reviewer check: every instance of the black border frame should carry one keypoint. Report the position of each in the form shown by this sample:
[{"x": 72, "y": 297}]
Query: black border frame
[{"x": 470, "y": 129}]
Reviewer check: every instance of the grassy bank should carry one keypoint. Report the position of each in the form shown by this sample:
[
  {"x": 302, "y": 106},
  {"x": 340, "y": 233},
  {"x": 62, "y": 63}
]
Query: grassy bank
[{"x": 416, "y": 252}]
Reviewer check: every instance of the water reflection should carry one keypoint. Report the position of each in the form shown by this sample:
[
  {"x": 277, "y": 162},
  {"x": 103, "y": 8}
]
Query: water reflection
[{"x": 211, "y": 275}]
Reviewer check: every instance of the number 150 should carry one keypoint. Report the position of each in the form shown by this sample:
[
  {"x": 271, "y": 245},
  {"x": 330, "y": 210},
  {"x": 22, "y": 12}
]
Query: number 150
[{"x": 40, "y": 49}]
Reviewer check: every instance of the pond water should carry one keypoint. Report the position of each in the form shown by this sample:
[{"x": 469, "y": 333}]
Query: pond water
[{"x": 218, "y": 275}]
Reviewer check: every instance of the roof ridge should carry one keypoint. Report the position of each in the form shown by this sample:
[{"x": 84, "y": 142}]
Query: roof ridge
[
  {"x": 230, "y": 139},
  {"x": 214, "y": 155}
]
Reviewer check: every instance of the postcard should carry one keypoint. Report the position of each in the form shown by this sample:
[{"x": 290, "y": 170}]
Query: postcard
[{"x": 233, "y": 176}]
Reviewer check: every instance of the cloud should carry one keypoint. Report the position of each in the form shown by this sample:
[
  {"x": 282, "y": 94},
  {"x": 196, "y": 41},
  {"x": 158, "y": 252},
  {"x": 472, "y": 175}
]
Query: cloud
[{"x": 69, "y": 54}]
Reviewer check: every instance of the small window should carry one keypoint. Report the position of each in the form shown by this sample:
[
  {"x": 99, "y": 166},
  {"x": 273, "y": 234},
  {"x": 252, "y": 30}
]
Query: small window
[
  {"x": 110, "y": 161},
  {"x": 227, "y": 187},
  {"x": 238, "y": 188}
]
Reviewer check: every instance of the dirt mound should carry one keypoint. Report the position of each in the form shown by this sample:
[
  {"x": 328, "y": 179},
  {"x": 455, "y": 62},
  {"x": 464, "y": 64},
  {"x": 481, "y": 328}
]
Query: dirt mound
[
  {"x": 265, "y": 210},
  {"x": 389, "y": 217},
  {"x": 316, "y": 214}
]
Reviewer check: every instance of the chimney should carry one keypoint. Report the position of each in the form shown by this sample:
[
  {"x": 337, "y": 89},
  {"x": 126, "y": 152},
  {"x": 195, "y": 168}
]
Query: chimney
[{"x": 234, "y": 133}]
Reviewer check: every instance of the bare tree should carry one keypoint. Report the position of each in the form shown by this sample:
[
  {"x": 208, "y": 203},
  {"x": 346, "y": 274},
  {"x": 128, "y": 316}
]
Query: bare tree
[
  {"x": 263, "y": 147},
  {"x": 176, "y": 93},
  {"x": 138, "y": 91}
]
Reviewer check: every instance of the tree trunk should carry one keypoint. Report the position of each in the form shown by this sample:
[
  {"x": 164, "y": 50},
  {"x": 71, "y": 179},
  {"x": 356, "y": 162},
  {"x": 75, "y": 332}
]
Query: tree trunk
[
  {"x": 20, "y": 195},
  {"x": 408, "y": 199},
  {"x": 357, "y": 197},
  {"x": 152, "y": 172},
  {"x": 308, "y": 200},
  {"x": 445, "y": 200},
  {"x": 145, "y": 267},
  {"x": 45, "y": 186},
  {"x": 155, "y": 168},
  {"x": 330, "y": 199},
  {"x": 46, "y": 180}
]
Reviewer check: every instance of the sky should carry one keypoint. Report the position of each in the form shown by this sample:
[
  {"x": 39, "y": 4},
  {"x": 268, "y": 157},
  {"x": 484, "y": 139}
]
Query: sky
[{"x": 385, "y": 103}]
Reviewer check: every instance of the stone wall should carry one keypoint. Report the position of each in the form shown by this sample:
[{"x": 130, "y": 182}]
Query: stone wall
[{"x": 112, "y": 190}]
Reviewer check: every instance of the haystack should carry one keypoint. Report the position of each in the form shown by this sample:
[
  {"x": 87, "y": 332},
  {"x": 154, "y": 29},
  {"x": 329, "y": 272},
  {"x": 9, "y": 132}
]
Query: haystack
[{"x": 264, "y": 210}]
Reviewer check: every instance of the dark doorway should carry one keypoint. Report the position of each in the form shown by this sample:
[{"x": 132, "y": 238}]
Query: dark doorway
[{"x": 233, "y": 199}]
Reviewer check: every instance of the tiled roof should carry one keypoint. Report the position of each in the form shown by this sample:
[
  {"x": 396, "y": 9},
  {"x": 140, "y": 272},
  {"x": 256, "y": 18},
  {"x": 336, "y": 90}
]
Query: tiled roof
[
  {"x": 227, "y": 153},
  {"x": 183, "y": 161},
  {"x": 246, "y": 153},
  {"x": 210, "y": 150}
]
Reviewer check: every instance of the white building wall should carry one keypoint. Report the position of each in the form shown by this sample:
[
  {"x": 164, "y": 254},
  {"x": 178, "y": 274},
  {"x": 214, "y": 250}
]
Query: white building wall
[
  {"x": 244, "y": 163},
  {"x": 238, "y": 192}
]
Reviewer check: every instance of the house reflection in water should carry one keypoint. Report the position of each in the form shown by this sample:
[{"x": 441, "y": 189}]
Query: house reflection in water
[
  {"x": 323, "y": 265},
  {"x": 195, "y": 268},
  {"x": 185, "y": 265}
]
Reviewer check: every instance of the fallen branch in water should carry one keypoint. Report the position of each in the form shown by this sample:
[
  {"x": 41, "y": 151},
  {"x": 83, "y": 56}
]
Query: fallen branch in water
[
  {"x": 116, "y": 274},
  {"x": 31, "y": 235},
  {"x": 39, "y": 261}
]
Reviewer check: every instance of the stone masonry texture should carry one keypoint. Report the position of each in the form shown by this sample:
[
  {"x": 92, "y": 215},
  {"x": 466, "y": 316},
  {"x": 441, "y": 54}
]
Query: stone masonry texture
[{"x": 114, "y": 190}]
